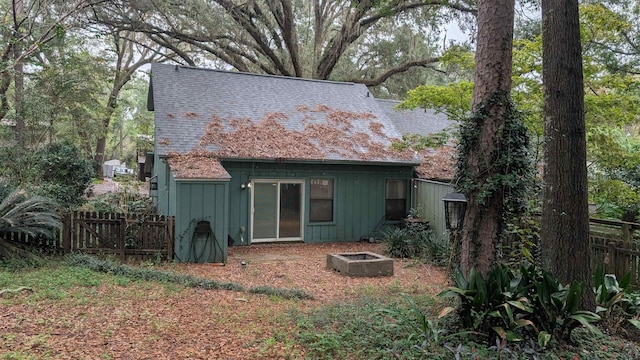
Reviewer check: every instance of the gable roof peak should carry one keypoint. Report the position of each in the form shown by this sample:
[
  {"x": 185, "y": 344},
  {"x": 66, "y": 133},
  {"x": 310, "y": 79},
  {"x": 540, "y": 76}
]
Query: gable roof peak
[{"x": 177, "y": 67}]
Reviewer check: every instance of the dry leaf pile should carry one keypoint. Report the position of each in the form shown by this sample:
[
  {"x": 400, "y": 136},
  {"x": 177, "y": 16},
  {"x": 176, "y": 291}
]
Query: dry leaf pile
[
  {"x": 437, "y": 163},
  {"x": 324, "y": 133},
  {"x": 197, "y": 163}
]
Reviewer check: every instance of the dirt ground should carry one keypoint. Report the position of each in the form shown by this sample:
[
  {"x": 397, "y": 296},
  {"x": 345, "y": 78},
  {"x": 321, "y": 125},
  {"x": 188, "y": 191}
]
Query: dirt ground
[
  {"x": 303, "y": 266},
  {"x": 108, "y": 185},
  {"x": 163, "y": 322}
]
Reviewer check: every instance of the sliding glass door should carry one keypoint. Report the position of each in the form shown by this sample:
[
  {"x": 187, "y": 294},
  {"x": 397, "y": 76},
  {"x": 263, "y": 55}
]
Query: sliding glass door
[{"x": 277, "y": 210}]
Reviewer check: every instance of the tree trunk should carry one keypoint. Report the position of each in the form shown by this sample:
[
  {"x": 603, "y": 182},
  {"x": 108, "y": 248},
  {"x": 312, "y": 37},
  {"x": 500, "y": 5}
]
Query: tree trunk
[
  {"x": 484, "y": 221},
  {"x": 564, "y": 233},
  {"x": 101, "y": 144},
  {"x": 18, "y": 80}
]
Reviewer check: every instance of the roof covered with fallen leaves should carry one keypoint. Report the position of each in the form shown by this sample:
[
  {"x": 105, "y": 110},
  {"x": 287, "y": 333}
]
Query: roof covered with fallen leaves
[
  {"x": 437, "y": 164},
  {"x": 203, "y": 115}
]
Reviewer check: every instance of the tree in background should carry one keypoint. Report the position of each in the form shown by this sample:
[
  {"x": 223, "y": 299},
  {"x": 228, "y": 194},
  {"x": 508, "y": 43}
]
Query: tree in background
[
  {"x": 312, "y": 38},
  {"x": 611, "y": 102},
  {"x": 130, "y": 54},
  {"x": 131, "y": 132},
  {"x": 63, "y": 174},
  {"x": 564, "y": 229},
  {"x": 26, "y": 28},
  {"x": 58, "y": 171}
]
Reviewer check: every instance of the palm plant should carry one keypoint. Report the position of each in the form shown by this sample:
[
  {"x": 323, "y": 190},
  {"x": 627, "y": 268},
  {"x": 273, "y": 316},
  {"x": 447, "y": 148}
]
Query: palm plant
[{"x": 19, "y": 212}]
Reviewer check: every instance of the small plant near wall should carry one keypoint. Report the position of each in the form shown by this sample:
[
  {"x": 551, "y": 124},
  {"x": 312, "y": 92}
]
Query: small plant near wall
[{"x": 415, "y": 241}]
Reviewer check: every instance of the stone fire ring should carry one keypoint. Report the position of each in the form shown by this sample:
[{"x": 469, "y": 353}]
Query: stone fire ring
[{"x": 360, "y": 264}]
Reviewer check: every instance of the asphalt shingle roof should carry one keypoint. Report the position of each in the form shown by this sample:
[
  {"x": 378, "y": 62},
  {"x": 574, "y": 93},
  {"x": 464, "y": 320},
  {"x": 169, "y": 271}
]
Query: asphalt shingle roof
[
  {"x": 208, "y": 114},
  {"x": 419, "y": 121}
]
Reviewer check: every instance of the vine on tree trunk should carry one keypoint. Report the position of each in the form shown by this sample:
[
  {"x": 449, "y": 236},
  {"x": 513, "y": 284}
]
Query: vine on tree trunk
[{"x": 508, "y": 168}]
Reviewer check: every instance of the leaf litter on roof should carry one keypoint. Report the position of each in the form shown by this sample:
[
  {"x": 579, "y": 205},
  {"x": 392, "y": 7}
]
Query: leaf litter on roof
[{"x": 334, "y": 134}]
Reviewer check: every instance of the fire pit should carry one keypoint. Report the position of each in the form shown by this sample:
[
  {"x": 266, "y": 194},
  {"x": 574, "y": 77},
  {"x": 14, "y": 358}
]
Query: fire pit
[{"x": 360, "y": 264}]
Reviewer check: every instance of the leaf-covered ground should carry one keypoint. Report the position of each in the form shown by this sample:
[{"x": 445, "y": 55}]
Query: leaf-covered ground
[{"x": 102, "y": 317}]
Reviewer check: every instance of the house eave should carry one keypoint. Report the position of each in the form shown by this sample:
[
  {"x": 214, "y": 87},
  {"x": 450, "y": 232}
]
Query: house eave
[
  {"x": 324, "y": 161},
  {"x": 203, "y": 179}
]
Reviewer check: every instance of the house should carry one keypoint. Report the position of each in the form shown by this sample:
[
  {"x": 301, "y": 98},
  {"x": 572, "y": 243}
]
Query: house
[{"x": 244, "y": 158}]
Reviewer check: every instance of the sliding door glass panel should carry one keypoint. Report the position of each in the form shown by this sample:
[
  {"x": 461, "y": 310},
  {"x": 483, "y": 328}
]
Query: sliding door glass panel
[
  {"x": 290, "y": 210},
  {"x": 265, "y": 199}
]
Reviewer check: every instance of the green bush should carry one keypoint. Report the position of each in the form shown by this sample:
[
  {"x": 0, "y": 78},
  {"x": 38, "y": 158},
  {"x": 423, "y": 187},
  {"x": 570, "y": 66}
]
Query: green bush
[
  {"x": 396, "y": 242},
  {"x": 63, "y": 174},
  {"x": 415, "y": 243},
  {"x": 23, "y": 212},
  {"x": 58, "y": 171},
  {"x": 127, "y": 199},
  {"x": 616, "y": 302},
  {"x": 517, "y": 305}
]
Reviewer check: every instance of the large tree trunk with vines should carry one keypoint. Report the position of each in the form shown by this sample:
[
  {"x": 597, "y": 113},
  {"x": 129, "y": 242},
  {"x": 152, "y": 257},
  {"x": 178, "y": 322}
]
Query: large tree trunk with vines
[
  {"x": 482, "y": 136},
  {"x": 564, "y": 233}
]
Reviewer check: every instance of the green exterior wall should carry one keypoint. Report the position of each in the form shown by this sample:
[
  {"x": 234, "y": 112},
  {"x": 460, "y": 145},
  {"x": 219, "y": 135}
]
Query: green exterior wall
[
  {"x": 190, "y": 202},
  {"x": 359, "y": 197},
  {"x": 427, "y": 200},
  {"x": 359, "y": 203},
  {"x": 165, "y": 194},
  {"x": 201, "y": 201}
]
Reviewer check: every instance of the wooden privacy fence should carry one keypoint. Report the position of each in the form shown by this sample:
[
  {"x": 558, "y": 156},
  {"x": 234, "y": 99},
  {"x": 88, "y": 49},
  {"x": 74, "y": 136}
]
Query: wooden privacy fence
[
  {"x": 127, "y": 236},
  {"x": 43, "y": 243},
  {"x": 616, "y": 247},
  {"x": 615, "y": 244}
]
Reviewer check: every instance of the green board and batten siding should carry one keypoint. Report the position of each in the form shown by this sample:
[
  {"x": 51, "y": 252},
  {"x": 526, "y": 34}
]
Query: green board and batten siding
[
  {"x": 427, "y": 200},
  {"x": 191, "y": 201},
  {"x": 201, "y": 201},
  {"x": 359, "y": 197},
  {"x": 359, "y": 201}
]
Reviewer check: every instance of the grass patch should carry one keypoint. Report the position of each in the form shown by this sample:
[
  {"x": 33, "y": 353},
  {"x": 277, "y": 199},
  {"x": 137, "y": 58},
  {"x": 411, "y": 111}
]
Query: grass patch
[
  {"x": 282, "y": 293},
  {"x": 17, "y": 263},
  {"x": 12, "y": 355},
  {"x": 392, "y": 327},
  {"x": 357, "y": 330},
  {"x": 54, "y": 281},
  {"x": 147, "y": 274},
  {"x": 167, "y": 277}
]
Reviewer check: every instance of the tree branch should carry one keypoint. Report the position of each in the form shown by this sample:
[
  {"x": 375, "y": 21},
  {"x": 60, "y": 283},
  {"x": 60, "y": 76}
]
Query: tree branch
[{"x": 396, "y": 70}]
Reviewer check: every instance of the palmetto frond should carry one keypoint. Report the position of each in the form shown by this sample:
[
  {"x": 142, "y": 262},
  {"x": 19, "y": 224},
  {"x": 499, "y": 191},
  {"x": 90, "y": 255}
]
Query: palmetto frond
[{"x": 33, "y": 215}]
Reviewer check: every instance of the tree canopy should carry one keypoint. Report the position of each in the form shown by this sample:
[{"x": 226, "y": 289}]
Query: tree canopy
[{"x": 317, "y": 39}]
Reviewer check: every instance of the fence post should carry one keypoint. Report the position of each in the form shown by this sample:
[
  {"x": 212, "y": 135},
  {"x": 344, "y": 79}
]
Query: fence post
[
  {"x": 611, "y": 257},
  {"x": 626, "y": 233},
  {"x": 122, "y": 237},
  {"x": 66, "y": 233},
  {"x": 171, "y": 231}
]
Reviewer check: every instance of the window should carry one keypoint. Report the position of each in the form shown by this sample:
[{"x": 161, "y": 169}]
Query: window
[
  {"x": 396, "y": 200},
  {"x": 321, "y": 200}
]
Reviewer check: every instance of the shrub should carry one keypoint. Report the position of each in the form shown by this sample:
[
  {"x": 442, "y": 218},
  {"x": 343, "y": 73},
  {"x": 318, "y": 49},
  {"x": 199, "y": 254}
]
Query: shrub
[
  {"x": 63, "y": 174},
  {"x": 415, "y": 243},
  {"x": 515, "y": 305},
  {"x": 125, "y": 200},
  {"x": 396, "y": 242},
  {"x": 21, "y": 212},
  {"x": 616, "y": 303}
]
